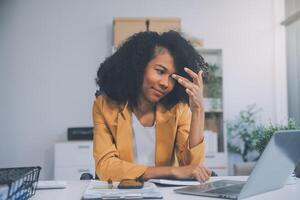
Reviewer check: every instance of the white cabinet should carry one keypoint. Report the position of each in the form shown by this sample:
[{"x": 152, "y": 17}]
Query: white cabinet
[
  {"x": 73, "y": 159},
  {"x": 217, "y": 162}
]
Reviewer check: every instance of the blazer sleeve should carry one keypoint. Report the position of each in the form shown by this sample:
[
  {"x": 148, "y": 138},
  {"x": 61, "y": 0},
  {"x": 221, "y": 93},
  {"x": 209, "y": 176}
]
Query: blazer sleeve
[
  {"x": 185, "y": 154},
  {"x": 107, "y": 162}
]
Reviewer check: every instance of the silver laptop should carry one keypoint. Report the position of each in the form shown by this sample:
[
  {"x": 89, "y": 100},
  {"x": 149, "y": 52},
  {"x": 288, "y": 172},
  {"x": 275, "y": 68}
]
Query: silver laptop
[{"x": 272, "y": 170}]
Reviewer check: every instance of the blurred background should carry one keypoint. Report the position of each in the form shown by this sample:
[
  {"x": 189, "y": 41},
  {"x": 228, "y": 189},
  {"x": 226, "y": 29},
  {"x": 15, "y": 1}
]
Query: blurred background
[{"x": 50, "y": 52}]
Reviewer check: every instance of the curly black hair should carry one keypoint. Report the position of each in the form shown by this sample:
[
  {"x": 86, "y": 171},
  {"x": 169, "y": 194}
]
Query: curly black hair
[{"x": 121, "y": 75}]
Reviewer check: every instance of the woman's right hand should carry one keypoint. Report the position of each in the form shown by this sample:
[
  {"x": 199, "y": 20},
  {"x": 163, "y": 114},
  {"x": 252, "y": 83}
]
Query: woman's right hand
[{"x": 197, "y": 171}]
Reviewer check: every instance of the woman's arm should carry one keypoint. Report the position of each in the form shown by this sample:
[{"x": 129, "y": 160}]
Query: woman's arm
[
  {"x": 199, "y": 172},
  {"x": 195, "y": 149},
  {"x": 195, "y": 91},
  {"x": 196, "y": 128}
]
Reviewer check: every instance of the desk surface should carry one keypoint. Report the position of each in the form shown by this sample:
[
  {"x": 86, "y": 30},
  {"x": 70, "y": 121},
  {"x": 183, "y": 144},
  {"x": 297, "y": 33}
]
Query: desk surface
[{"x": 75, "y": 190}]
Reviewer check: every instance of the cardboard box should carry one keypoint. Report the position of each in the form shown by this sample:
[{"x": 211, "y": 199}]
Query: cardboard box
[
  {"x": 124, "y": 27},
  {"x": 164, "y": 24}
]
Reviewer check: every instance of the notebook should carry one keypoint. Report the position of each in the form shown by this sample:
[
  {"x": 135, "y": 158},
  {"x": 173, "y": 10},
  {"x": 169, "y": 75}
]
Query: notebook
[
  {"x": 175, "y": 182},
  {"x": 101, "y": 190},
  {"x": 267, "y": 175}
]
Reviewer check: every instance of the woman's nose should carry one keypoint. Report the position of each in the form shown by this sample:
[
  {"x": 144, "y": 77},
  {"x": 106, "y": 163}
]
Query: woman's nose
[{"x": 164, "y": 82}]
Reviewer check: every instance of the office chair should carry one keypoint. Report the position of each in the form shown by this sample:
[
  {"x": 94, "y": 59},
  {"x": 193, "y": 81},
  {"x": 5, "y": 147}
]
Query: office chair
[
  {"x": 297, "y": 170},
  {"x": 88, "y": 176}
]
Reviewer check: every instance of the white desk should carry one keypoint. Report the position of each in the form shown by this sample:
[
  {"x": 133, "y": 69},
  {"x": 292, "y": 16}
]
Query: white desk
[{"x": 75, "y": 190}]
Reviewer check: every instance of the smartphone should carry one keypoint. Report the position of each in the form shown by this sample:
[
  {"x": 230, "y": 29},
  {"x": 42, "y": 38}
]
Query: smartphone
[{"x": 130, "y": 184}]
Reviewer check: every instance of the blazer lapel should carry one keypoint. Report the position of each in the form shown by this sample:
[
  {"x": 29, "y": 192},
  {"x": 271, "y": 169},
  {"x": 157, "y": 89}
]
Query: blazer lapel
[
  {"x": 124, "y": 134},
  {"x": 165, "y": 136}
]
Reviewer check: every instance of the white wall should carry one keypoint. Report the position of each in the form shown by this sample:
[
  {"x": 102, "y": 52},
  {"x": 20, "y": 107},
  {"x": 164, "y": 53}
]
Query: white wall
[
  {"x": 50, "y": 52},
  {"x": 293, "y": 59}
]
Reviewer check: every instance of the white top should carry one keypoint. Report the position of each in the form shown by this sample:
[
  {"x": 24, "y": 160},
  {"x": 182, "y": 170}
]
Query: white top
[
  {"x": 144, "y": 143},
  {"x": 75, "y": 190}
]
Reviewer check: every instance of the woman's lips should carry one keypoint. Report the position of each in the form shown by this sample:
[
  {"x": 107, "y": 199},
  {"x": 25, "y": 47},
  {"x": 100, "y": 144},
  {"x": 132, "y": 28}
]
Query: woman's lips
[{"x": 158, "y": 93}]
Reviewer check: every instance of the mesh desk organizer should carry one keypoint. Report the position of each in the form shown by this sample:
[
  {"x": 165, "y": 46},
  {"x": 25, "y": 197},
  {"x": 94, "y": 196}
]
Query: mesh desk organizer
[{"x": 18, "y": 183}]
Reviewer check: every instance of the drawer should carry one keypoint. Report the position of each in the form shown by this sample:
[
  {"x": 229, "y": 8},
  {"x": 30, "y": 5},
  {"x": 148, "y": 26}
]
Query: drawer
[
  {"x": 216, "y": 160},
  {"x": 72, "y": 173},
  {"x": 74, "y": 154}
]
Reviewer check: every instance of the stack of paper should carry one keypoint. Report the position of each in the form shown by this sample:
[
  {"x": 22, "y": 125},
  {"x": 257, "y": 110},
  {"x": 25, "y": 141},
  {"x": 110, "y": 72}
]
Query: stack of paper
[
  {"x": 4, "y": 192},
  {"x": 101, "y": 190}
]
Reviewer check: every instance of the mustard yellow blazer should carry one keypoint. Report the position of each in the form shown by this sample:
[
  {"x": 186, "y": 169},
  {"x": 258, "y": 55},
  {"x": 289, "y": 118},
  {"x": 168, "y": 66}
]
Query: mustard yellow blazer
[{"x": 114, "y": 149}]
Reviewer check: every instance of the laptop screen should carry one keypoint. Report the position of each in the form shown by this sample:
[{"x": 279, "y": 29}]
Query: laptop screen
[{"x": 275, "y": 165}]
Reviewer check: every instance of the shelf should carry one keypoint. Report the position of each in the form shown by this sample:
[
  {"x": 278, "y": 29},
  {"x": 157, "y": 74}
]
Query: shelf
[
  {"x": 213, "y": 105},
  {"x": 212, "y": 57},
  {"x": 213, "y": 98}
]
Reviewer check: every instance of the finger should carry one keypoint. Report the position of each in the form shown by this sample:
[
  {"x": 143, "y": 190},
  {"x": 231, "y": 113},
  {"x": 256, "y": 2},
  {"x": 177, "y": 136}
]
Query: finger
[
  {"x": 200, "y": 77},
  {"x": 193, "y": 75},
  {"x": 200, "y": 74},
  {"x": 205, "y": 170},
  {"x": 190, "y": 93},
  {"x": 176, "y": 77},
  {"x": 197, "y": 176},
  {"x": 188, "y": 85},
  {"x": 204, "y": 176},
  {"x": 208, "y": 171},
  {"x": 184, "y": 82}
]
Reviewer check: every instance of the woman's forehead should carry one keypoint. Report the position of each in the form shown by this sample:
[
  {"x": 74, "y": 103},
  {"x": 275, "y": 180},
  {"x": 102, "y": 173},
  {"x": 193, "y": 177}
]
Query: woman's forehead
[
  {"x": 160, "y": 50},
  {"x": 164, "y": 60}
]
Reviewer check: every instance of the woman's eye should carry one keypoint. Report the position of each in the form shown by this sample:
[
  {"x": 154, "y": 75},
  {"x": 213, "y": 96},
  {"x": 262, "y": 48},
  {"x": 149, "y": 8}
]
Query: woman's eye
[{"x": 159, "y": 71}]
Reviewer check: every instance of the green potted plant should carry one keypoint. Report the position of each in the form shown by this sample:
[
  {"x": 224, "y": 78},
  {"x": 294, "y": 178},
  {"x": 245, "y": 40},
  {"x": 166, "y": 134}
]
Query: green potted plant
[
  {"x": 241, "y": 132},
  {"x": 213, "y": 81},
  {"x": 241, "y": 139},
  {"x": 213, "y": 87},
  {"x": 263, "y": 134}
]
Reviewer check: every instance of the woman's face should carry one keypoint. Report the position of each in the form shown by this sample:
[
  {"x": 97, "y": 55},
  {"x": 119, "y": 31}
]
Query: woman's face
[{"x": 157, "y": 78}]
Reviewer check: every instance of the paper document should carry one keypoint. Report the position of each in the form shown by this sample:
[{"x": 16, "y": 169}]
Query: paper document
[
  {"x": 175, "y": 182},
  {"x": 4, "y": 189},
  {"x": 51, "y": 185},
  {"x": 101, "y": 190}
]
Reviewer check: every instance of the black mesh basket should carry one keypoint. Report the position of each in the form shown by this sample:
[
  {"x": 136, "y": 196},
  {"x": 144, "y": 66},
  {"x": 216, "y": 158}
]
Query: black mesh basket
[{"x": 18, "y": 183}]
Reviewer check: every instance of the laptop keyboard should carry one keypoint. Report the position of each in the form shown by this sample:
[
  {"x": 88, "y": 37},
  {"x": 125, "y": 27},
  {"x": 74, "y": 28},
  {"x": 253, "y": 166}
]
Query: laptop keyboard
[
  {"x": 229, "y": 190},
  {"x": 210, "y": 186}
]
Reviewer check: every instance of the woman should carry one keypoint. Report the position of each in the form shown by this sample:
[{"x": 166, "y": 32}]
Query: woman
[{"x": 151, "y": 110}]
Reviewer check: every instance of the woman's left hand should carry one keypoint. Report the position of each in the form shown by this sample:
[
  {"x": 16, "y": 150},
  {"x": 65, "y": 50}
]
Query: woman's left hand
[{"x": 193, "y": 89}]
